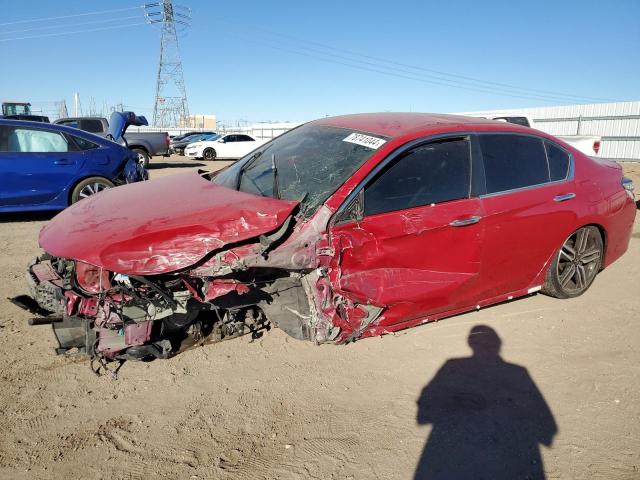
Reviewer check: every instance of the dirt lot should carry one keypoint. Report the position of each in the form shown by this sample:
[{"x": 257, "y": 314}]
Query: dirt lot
[{"x": 280, "y": 408}]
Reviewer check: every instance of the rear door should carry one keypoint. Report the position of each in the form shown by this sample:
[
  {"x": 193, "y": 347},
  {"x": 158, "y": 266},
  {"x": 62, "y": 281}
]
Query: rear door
[
  {"x": 410, "y": 240},
  {"x": 227, "y": 149},
  {"x": 528, "y": 205},
  {"x": 244, "y": 144},
  {"x": 35, "y": 164}
]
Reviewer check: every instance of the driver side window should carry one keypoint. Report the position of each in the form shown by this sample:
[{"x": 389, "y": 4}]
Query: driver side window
[{"x": 433, "y": 173}]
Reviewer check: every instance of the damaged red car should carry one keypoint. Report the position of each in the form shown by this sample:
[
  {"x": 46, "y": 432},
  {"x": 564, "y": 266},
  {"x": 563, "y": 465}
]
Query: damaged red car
[{"x": 342, "y": 228}]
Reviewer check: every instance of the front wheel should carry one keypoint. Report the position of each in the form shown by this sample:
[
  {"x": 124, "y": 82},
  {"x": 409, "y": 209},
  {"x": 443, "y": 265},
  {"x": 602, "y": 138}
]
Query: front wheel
[
  {"x": 90, "y": 186},
  {"x": 209, "y": 154},
  {"x": 576, "y": 264},
  {"x": 143, "y": 156}
]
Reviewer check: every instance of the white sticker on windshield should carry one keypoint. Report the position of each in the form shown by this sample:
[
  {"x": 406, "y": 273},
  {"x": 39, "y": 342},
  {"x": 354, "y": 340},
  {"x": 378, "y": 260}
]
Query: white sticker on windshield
[{"x": 365, "y": 140}]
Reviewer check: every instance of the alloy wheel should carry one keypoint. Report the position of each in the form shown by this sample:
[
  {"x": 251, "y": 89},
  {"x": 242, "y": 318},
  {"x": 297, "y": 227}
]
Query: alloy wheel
[
  {"x": 579, "y": 260},
  {"x": 92, "y": 189}
]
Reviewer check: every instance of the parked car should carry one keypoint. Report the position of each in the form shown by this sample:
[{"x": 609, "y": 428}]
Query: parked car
[
  {"x": 144, "y": 144},
  {"x": 179, "y": 146},
  {"x": 225, "y": 146},
  {"x": 28, "y": 118},
  {"x": 342, "y": 228},
  {"x": 48, "y": 167},
  {"x": 177, "y": 138},
  {"x": 587, "y": 144}
]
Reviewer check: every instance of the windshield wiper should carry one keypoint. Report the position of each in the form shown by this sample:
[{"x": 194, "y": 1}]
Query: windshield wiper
[
  {"x": 250, "y": 163},
  {"x": 274, "y": 169}
]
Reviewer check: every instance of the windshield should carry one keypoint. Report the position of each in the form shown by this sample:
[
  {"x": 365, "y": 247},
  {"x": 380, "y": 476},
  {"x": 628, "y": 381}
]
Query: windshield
[{"x": 310, "y": 162}]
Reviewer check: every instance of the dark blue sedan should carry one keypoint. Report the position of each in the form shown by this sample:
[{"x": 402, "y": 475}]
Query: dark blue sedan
[{"x": 48, "y": 167}]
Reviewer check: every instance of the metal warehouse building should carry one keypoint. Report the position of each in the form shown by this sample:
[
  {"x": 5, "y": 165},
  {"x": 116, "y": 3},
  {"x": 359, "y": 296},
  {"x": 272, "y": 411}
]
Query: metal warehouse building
[{"x": 617, "y": 123}]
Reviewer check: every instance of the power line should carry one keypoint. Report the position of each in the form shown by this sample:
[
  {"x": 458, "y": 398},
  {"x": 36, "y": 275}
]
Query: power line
[
  {"x": 435, "y": 76},
  {"x": 108, "y": 20},
  {"x": 406, "y": 75},
  {"x": 71, "y": 16},
  {"x": 437, "y": 72},
  {"x": 71, "y": 33}
]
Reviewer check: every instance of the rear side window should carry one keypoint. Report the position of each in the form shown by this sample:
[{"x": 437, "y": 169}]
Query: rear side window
[
  {"x": 93, "y": 126},
  {"x": 558, "y": 162},
  {"x": 84, "y": 144},
  {"x": 244, "y": 138},
  {"x": 513, "y": 161},
  {"x": 432, "y": 173},
  {"x": 31, "y": 140}
]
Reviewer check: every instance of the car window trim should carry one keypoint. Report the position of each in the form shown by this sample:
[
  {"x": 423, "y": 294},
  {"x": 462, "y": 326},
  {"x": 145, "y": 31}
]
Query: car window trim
[
  {"x": 62, "y": 134},
  {"x": 401, "y": 150},
  {"x": 569, "y": 177}
]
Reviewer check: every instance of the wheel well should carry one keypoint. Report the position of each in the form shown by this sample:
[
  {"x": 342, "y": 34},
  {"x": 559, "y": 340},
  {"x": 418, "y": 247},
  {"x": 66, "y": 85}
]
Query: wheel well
[
  {"x": 140, "y": 147},
  {"x": 73, "y": 187},
  {"x": 605, "y": 241}
]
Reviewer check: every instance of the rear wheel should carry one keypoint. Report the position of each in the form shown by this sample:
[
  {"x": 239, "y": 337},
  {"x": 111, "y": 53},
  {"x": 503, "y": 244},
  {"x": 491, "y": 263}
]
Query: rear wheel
[
  {"x": 209, "y": 154},
  {"x": 90, "y": 186},
  {"x": 143, "y": 156},
  {"x": 576, "y": 264}
]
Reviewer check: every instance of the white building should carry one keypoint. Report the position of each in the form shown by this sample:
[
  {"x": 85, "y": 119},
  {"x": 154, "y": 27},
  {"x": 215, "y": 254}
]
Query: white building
[{"x": 617, "y": 123}]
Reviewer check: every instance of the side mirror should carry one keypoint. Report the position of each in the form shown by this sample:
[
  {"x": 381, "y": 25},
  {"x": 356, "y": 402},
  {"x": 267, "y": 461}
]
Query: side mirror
[{"x": 222, "y": 140}]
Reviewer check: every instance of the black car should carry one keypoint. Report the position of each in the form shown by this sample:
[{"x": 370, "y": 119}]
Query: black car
[
  {"x": 178, "y": 146},
  {"x": 178, "y": 138}
]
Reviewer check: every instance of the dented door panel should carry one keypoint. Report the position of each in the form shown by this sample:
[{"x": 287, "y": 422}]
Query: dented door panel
[{"x": 410, "y": 261}]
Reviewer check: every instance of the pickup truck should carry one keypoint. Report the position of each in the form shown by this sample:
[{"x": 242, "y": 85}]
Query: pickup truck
[
  {"x": 145, "y": 144},
  {"x": 587, "y": 144}
]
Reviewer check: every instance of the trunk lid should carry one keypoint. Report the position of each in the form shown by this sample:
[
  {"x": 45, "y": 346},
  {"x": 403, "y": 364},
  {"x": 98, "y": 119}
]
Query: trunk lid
[
  {"x": 160, "y": 226},
  {"x": 120, "y": 121}
]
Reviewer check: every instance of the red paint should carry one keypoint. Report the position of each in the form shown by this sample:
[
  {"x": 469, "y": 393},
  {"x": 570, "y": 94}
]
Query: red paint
[
  {"x": 220, "y": 287},
  {"x": 160, "y": 225}
]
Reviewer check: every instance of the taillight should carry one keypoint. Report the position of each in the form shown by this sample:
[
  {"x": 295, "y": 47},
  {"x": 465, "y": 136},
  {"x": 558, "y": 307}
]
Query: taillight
[
  {"x": 627, "y": 184},
  {"x": 596, "y": 146},
  {"x": 167, "y": 140}
]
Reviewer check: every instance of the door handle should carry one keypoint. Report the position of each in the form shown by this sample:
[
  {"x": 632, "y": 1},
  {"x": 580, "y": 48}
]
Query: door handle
[
  {"x": 62, "y": 161},
  {"x": 465, "y": 222},
  {"x": 563, "y": 198}
]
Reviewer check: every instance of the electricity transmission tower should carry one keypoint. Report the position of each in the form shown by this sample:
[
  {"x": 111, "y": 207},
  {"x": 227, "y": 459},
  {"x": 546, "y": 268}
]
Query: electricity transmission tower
[{"x": 170, "y": 108}]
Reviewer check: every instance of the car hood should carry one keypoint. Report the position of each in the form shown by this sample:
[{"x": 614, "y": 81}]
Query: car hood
[{"x": 160, "y": 226}]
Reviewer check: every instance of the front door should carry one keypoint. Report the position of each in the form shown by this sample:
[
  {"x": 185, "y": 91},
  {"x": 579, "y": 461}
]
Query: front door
[{"x": 415, "y": 247}]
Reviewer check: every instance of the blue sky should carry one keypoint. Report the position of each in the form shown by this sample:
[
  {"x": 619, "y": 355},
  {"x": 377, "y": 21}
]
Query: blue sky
[{"x": 295, "y": 60}]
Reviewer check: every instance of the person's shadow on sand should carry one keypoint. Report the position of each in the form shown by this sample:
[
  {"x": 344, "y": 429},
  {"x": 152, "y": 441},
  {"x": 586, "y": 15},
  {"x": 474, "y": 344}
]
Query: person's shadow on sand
[{"x": 488, "y": 417}]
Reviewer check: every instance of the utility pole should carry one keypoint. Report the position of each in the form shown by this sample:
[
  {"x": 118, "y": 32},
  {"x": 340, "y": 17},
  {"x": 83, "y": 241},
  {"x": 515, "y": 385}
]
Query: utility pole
[
  {"x": 170, "y": 108},
  {"x": 77, "y": 108}
]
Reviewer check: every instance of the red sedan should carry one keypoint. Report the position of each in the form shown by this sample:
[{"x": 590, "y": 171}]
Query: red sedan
[{"x": 344, "y": 227}]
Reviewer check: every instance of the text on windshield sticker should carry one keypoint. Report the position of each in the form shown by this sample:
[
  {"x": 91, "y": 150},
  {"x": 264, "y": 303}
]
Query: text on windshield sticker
[{"x": 365, "y": 140}]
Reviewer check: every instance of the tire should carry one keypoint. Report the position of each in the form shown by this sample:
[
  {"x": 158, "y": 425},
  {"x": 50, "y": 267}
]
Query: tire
[
  {"x": 90, "y": 186},
  {"x": 576, "y": 264},
  {"x": 209, "y": 154},
  {"x": 143, "y": 156}
]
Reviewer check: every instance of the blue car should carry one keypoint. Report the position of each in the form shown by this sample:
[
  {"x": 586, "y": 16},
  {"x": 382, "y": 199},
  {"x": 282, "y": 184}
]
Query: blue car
[{"x": 49, "y": 167}]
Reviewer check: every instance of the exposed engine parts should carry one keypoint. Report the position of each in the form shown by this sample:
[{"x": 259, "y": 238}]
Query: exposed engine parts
[{"x": 118, "y": 317}]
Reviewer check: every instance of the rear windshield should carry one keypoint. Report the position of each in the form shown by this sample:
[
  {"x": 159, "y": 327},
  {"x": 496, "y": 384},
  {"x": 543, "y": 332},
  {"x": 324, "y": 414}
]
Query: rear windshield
[{"x": 310, "y": 162}]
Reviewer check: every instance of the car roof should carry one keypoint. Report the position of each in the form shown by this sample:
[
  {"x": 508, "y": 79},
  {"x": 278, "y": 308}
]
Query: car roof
[
  {"x": 28, "y": 123},
  {"x": 52, "y": 127},
  {"x": 397, "y": 124}
]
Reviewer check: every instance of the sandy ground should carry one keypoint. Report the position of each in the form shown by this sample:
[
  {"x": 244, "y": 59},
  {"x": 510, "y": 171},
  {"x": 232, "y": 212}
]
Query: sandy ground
[{"x": 281, "y": 408}]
